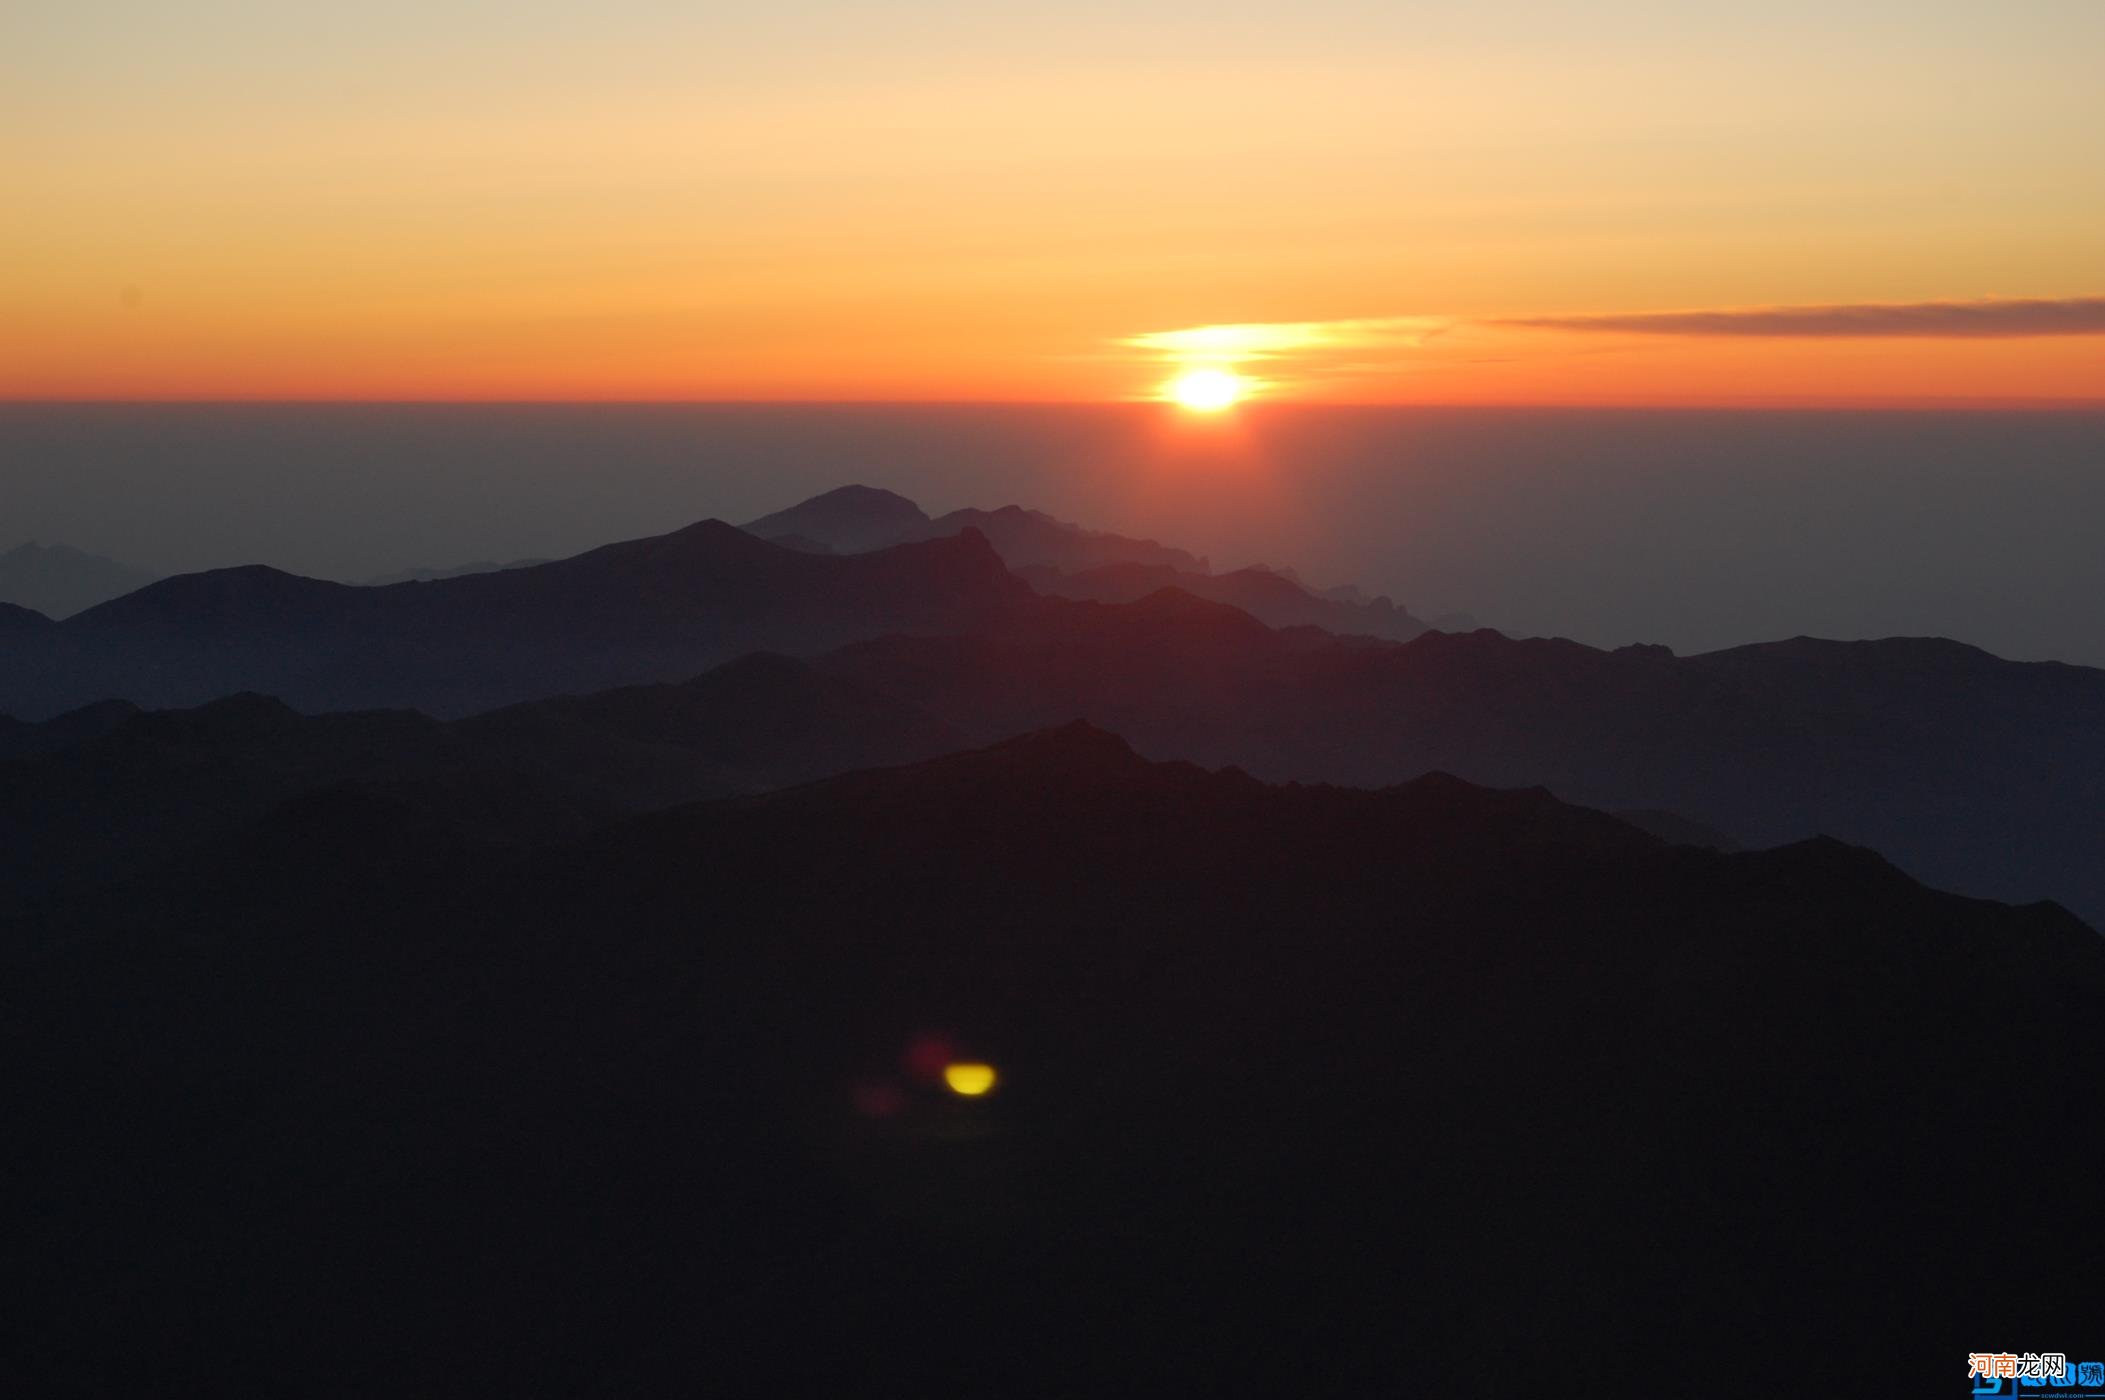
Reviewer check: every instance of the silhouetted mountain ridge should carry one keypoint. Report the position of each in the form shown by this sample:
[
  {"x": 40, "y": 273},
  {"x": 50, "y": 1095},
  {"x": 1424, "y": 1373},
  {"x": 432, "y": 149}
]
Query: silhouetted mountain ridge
[
  {"x": 109, "y": 791},
  {"x": 848, "y": 519},
  {"x": 59, "y": 580},
  {"x": 853, "y": 519},
  {"x": 220, "y": 603},
  {"x": 1069, "y": 560},
  {"x": 641, "y": 610},
  {"x": 18, "y": 621},
  {"x": 1273, "y": 599},
  {"x": 21, "y": 739},
  {"x": 1971, "y": 771},
  {"x": 1027, "y": 538},
  {"x": 433, "y": 575}
]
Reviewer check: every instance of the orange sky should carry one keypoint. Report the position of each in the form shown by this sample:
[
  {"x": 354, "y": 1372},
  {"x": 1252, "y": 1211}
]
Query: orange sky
[{"x": 840, "y": 200}]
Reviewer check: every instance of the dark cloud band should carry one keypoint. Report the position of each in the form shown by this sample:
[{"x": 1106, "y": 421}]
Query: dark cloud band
[{"x": 1939, "y": 320}]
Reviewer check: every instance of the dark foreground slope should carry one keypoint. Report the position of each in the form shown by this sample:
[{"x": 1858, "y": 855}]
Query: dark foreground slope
[
  {"x": 1304, "y": 1091},
  {"x": 654, "y": 609}
]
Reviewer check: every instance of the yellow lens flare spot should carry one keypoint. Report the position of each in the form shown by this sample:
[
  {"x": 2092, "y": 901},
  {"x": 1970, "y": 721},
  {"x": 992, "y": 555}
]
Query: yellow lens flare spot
[
  {"x": 1206, "y": 390},
  {"x": 969, "y": 1079}
]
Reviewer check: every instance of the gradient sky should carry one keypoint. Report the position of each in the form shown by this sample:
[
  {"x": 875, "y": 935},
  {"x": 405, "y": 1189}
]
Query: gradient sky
[{"x": 1624, "y": 201}]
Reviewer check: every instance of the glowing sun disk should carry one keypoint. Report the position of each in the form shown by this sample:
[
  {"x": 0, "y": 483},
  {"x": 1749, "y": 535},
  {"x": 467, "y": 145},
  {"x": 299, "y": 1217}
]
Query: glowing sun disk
[{"x": 1206, "y": 390}]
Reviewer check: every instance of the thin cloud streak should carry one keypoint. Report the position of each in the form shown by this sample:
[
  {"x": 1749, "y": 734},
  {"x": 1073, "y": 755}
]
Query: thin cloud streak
[
  {"x": 1265, "y": 340},
  {"x": 1996, "y": 319}
]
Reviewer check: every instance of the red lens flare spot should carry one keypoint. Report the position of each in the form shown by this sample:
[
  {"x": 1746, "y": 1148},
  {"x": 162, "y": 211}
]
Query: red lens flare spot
[
  {"x": 927, "y": 1055},
  {"x": 879, "y": 1098}
]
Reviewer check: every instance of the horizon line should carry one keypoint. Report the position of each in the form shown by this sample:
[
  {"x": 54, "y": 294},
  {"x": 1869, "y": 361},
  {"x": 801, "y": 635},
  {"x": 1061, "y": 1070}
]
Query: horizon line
[{"x": 1930, "y": 404}]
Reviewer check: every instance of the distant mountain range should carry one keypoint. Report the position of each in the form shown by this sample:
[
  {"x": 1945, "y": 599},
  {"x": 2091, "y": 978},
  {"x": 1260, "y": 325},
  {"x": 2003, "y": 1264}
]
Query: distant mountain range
[
  {"x": 457, "y": 640},
  {"x": 1969, "y": 771},
  {"x": 644, "y": 610},
  {"x": 1299, "y": 1090},
  {"x": 1273, "y": 599},
  {"x": 1973, "y": 773},
  {"x": 848, "y": 520},
  {"x": 1976, "y": 774},
  {"x": 1070, "y": 561},
  {"x": 58, "y": 580},
  {"x": 855, "y": 519}
]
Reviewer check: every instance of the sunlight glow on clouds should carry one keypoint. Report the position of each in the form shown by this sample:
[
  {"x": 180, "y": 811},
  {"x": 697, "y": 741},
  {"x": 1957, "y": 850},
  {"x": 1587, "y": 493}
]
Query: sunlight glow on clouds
[
  {"x": 1263, "y": 341},
  {"x": 1299, "y": 350},
  {"x": 1301, "y": 354}
]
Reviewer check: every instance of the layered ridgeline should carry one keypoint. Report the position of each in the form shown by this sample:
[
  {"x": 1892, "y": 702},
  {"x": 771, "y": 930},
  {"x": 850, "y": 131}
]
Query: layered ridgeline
[
  {"x": 1298, "y": 1091},
  {"x": 59, "y": 580},
  {"x": 1069, "y": 561},
  {"x": 458, "y": 640},
  {"x": 109, "y": 791},
  {"x": 19, "y": 624},
  {"x": 434, "y": 575},
  {"x": 1973, "y": 773},
  {"x": 854, "y": 519},
  {"x": 643, "y": 610}
]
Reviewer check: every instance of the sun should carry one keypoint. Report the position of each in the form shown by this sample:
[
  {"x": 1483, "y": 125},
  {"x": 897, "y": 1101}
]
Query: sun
[{"x": 1206, "y": 390}]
